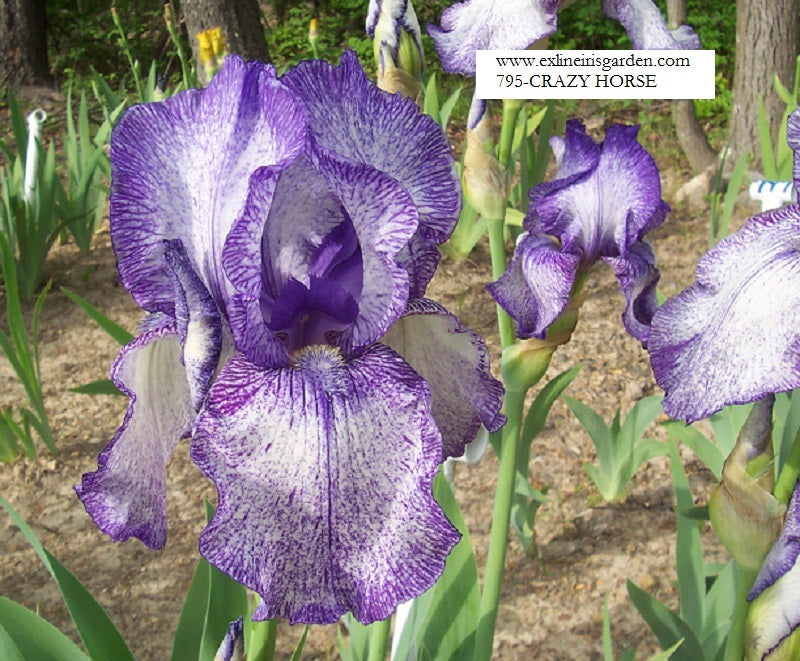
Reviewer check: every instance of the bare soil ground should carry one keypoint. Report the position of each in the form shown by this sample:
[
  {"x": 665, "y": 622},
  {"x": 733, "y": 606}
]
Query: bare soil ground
[{"x": 551, "y": 606}]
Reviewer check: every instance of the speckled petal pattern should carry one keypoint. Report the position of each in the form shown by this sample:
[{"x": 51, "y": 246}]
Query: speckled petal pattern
[
  {"x": 536, "y": 287},
  {"x": 180, "y": 170},
  {"x": 490, "y": 25},
  {"x": 647, "y": 28},
  {"x": 611, "y": 206},
  {"x": 353, "y": 119},
  {"x": 324, "y": 472},
  {"x": 399, "y": 15},
  {"x": 732, "y": 336},
  {"x": 454, "y": 362},
  {"x": 126, "y": 497}
]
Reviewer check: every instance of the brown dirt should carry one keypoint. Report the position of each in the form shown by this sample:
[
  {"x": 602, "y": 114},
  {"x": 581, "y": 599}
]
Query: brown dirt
[{"x": 551, "y": 609}]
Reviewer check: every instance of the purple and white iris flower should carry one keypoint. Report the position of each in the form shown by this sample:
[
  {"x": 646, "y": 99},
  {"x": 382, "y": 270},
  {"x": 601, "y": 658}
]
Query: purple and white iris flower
[
  {"x": 281, "y": 233},
  {"x": 475, "y": 25},
  {"x": 604, "y": 199},
  {"x": 515, "y": 24},
  {"x": 733, "y": 337},
  {"x": 646, "y": 27}
]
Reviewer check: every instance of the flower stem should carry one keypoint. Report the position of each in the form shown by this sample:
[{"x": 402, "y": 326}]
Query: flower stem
[
  {"x": 497, "y": 248},
  {"x": 511, "y": 108},
  {"x": 734, "y": 647},
  {"x": 789, "y": 474},
  {"x": 501, "y": 517},
  {"x": 262, "y": 640},
  {"x": 379, "y": 639}
]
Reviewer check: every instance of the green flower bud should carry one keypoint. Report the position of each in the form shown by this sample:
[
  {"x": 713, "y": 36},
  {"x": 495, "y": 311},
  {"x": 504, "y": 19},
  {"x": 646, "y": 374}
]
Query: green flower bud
[
  {"x": 526, "y": 361},
  {"x": 484, "y": 177},
  {"x": 746, "y": 516},
  {"x": 409, "y": 57}
]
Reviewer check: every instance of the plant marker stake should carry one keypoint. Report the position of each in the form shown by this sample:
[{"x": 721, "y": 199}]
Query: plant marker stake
[
  {"x": 35, "y": 120},
  {"x": 772, "y": 194}
]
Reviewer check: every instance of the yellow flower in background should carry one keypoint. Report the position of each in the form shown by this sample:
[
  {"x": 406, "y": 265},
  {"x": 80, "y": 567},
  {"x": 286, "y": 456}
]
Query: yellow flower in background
[{"x": 213, "y": 50}]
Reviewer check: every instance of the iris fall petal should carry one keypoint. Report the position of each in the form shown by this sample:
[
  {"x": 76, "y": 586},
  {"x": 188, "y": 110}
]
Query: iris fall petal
[
  {"x": 126, "y": 497},
  {"x": 732, "y": 336},
  {"x": 324, "y": 472},
  {"x": 454, "y": 362}
]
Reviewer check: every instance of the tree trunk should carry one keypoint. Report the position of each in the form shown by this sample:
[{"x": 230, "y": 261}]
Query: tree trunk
[
  {"x": 240, "y": 21},
  {"x": 766, "y": 44},
  {"x": 23, "y": 44},
  {"x": 691, "y": 137}
]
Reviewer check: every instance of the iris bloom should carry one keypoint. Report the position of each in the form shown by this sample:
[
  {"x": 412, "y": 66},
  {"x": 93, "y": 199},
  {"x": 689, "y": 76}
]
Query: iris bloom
[
  {"x": 515, "y": 24},
  {"x": 281, "y": 233},
  {"x": 490, "y": 25},
  {"x": 733, "y": 337},
  {"x": 646, "y": 27},
  {"x": 604, "y": 199}
]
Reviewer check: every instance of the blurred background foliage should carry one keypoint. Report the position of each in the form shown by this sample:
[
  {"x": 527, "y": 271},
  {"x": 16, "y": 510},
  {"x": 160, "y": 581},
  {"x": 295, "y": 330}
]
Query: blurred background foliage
[{"x": 82, "y": 37}]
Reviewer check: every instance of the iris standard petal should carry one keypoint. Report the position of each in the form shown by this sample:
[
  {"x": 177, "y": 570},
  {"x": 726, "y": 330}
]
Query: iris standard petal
[
  {"x": 309, "y": 204},
  {"x": 490, "y": 25},
  {"x": 455, "y": 364},
  {"x": 608, "y": 208},
  {"x": 198, "y": 323},
  {"x": 646, "y": 27},
  {"x": 126, "y": 497},
  {"x": 180, "y": 170},
  {"x": 733, "y": 336},
  {"x": 324, "y": 472},
  {"x": 638, "y": 277},
  {"x": 351, "y": 118},
  {"x": 536, "y": 287}
]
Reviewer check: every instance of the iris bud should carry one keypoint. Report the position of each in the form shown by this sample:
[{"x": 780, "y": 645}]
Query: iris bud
[
  {"x": 484, "y": 177},
  {"x": 746, "y": 516},
  {"x": 397, "y": 46},
  {"x": 525, "y": 362}
]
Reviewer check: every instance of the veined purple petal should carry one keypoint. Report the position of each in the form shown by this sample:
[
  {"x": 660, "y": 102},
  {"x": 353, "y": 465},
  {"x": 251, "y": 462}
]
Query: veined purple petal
[
  {"x": 349, "y": 117},
  {"x": 303, "y": 211},
  {"x": 455, "y": 363},
  {"x": 180, "y": 170},
  {"x": 251, "y": 335},
  {"x": 638, "y": 277},
  {"x": 490, "y": 25},
  {"x": 324, "y": 472},
  {"x": 126, "y": 497},
  {"x": 419, "y": 258},
  {"x": 733, "y": 336},
  {"x": 646, "y": 26},
  {"x": 536, "y": 287},
  {"x": 780, "y": 615},
  {"x": 198, "y": 323},
  {"x": 603, "y": 210}
]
